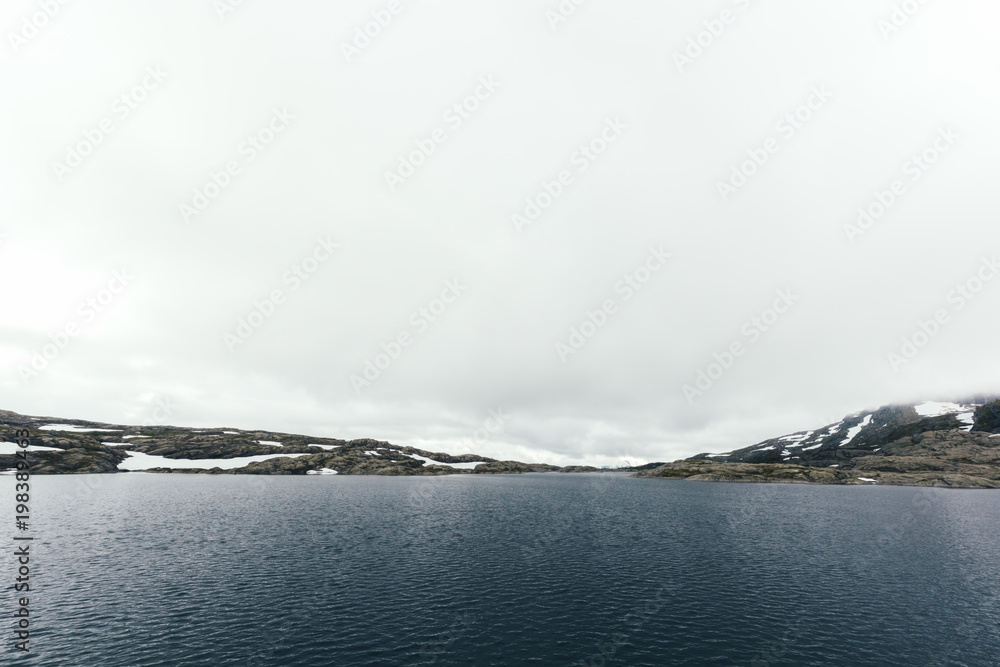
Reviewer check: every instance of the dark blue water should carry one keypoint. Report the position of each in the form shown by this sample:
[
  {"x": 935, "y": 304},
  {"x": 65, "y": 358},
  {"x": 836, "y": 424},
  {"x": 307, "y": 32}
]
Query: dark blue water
[{"x": 554, "y": 569}]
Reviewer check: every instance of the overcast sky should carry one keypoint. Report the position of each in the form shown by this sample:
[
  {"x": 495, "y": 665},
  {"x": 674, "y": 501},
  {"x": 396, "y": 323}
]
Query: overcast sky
[{"x": 169, "y": 168}]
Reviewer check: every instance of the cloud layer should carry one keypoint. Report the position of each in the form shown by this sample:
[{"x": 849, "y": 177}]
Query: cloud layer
[{"x": 640, "y": 230}]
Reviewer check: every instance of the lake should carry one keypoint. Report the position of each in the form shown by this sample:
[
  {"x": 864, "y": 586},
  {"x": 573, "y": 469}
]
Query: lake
[{"x": 539, "y": 569}]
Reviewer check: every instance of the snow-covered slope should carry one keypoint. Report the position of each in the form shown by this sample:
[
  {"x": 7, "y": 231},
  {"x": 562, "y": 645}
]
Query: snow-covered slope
[{"x": 862, "y": 433}]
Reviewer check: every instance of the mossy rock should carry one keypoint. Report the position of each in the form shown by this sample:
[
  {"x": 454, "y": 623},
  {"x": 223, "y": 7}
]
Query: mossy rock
[{"x": 988, "y": 418}]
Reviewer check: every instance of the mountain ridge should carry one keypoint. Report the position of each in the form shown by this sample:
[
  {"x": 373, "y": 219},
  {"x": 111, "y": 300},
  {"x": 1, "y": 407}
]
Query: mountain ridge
[
  {"x": 932, "y": 443},
  {"x": 71, "y": 446}
]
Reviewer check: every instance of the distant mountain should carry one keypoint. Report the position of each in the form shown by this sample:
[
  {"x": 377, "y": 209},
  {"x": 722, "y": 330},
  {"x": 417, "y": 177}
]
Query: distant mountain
[
  {"x": 63, "y": 446},
  {"x": 927, "y": 444}
]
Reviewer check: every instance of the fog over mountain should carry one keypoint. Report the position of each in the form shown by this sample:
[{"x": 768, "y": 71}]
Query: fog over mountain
[{"x": 536, "y": 231}]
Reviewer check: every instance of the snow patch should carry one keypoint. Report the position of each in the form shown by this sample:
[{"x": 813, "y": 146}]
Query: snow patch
[
  {"x": 231, "y": 432},
  {"x": 764, "y": 449},
  {"x": 968, "y": 418},
  {"x": 806, "y": 449},
  {"x": 799, "y": 437},
  {"x": 322, "y": 471},
  {"x": 269, "y": 442},
  {"x": 461, "y": 466},
  {"x": 142, "y": 461},
  {"x": 935, "y": 409},
  {"x": 833, "y": 429},
  {"x": 73, "y": 428},
  {"x": 866, "y": 479},
  {"x": 323, "y": 446},
  {"x": 853, "y": 433},
  {"x": 126, "y": 437}
]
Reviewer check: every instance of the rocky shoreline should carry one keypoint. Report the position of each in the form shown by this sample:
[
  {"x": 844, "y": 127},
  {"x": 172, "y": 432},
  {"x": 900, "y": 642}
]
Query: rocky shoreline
[{"x": 953, "y": 445}]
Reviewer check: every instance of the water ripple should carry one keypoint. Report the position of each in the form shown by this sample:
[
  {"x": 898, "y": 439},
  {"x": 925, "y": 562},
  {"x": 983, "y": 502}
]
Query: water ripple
[{"x": 514, "y": 570}]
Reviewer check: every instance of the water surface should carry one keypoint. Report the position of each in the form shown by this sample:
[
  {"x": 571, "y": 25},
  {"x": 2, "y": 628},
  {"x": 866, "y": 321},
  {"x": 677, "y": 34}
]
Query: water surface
[{"x": 542, "y": 569}]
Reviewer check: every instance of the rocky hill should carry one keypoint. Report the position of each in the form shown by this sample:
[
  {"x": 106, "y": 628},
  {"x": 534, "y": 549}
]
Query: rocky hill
[
  {"x": 929, "y": 444},
  {"x": 60, "y": 446}
]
